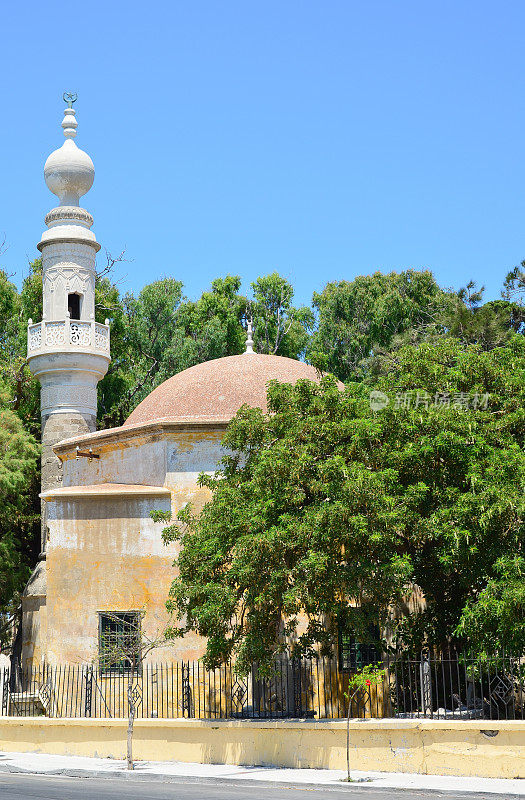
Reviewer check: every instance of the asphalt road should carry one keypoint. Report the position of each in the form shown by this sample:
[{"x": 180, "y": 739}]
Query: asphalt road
[{"x": 37, "y": 787}]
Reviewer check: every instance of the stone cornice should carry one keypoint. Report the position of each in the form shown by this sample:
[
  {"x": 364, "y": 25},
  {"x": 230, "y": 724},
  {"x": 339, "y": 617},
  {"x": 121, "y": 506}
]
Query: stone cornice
[
  {"x": 71, "y": 239},
  {"x": 129, "y": 432},
  {"x": 67, "y": 213},
  {"x": 105, "y": 490}
]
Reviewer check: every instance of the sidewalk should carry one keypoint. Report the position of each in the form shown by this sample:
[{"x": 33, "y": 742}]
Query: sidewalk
[{"x": 39, "y": 763}]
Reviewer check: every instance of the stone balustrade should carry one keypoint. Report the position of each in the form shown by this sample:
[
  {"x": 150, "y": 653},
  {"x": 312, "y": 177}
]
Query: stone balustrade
[{"x": 67, "y": 334}]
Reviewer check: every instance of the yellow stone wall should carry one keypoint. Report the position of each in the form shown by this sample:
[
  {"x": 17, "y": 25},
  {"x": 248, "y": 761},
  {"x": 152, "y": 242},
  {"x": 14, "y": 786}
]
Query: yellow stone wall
[
  {"x": 105, "y": 553},
  {"x": 427, "y": 747}
]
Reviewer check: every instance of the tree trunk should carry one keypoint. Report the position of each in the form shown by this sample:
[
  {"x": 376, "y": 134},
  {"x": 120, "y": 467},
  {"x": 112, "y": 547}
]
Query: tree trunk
[
  {"x": 350, "y": 701},
  {"x": 131, "y": 719}
]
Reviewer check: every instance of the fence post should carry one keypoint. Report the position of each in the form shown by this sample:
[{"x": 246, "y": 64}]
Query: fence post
[
  {"x": 425, "y": 679},
  {"x": 89, "y": 691},
  {"x": 4, "y": 691},
  {"x": 297, "y": 687},
  {"x": 186, "y": 689}
]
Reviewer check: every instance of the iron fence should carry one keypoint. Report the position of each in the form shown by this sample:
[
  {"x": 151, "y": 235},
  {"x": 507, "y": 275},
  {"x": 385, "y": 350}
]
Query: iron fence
[{"x": 446, "y": 686}]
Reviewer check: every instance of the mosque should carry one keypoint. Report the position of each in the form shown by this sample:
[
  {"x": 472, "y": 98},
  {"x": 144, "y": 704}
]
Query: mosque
[{"x": 103, "y": 562}]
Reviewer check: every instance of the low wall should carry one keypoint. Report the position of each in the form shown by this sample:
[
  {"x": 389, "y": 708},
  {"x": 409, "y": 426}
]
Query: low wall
[{"x": 475, "y": 748}]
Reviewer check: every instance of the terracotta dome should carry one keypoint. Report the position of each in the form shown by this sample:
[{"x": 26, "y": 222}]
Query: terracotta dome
[{"x": 215, "y": 390}]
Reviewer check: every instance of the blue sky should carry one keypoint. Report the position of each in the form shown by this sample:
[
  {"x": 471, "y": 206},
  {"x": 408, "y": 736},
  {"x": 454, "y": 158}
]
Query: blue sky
[{"x": 320, "y": 139}]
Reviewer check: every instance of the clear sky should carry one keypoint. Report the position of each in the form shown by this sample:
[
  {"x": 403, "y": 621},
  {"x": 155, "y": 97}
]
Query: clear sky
[{"x": 321, "y": 139}]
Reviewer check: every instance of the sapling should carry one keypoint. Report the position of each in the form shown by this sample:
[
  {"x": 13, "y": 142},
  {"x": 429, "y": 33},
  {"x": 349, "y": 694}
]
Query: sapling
[{"x": 361, "y": 681}]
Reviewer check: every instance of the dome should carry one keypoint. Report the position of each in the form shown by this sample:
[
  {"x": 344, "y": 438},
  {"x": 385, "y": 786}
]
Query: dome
[{"x": 217, "y": 389}]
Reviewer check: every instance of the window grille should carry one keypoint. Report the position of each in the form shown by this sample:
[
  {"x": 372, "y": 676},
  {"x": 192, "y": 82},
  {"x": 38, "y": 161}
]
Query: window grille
[
  {"x": 355, "y": 654},
  {"x": 119, "y": 641}
]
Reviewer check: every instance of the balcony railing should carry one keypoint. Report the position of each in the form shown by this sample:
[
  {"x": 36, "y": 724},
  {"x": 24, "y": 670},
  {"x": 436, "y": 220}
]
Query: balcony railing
[{"x": 67, "y": 334}]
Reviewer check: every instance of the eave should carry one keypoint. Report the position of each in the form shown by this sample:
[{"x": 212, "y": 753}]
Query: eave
[
  {"x": 108, "y": 490},
  {"x": 143, "y": 429}
]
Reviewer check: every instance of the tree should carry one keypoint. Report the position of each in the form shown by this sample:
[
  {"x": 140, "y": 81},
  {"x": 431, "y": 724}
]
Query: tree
[
  {"x": 15, "y": 310},
  {"x": 145, "y": 328},
  {"x": 279, "y": 328},
  {"x": 18, "y": 519},
  {"x": 126, "y": 652},
  {"x": 465, "y": 454},
  {"x": 326, "y": 510},
  {"x": 298, "y": 524},
  {"x": 360, "y": 319},
  {"x": 212, "y": 326},
  {"x": 495, "y": 617},
  {"x": 359, "y": 687},
  {"x": 488, "y": 324},
  {"x": 164, "y": 333}
]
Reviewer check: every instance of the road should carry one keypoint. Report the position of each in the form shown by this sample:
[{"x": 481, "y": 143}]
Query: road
[{"x": 37, "y": 787}]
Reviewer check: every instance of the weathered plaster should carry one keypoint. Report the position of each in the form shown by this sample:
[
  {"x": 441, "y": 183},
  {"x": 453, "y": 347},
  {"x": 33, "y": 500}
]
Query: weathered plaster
[
  {"x": 408, "y": 746},
  {"x": 104, "y": 551}
]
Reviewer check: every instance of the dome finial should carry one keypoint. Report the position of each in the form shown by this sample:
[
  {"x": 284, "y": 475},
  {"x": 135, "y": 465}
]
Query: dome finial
[
  {"x": 69, "y": 123},
  {"x": 249, "y": 336},
  {"x": 69, "y": 98}
]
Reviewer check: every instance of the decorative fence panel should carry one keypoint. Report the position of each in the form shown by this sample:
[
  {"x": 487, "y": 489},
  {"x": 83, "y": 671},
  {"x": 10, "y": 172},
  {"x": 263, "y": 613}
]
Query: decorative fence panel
[{"x": 451, "y": 686}]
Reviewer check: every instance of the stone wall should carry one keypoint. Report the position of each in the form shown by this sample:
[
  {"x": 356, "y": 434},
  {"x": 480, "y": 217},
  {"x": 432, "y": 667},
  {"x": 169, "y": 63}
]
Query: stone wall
[
  {"x": 493, "y": 749},
  {"x": 104, "y": 552},
  {"x": 55, "y": 428}
]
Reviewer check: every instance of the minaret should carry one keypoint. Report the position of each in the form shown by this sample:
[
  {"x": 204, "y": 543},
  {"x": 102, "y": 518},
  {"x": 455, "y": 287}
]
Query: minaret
[{"x": 67, "y": 351}]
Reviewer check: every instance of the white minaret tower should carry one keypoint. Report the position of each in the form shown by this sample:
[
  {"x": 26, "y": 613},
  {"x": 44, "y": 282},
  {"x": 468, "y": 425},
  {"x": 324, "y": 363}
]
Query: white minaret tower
[{"x": 67, "y": 351}]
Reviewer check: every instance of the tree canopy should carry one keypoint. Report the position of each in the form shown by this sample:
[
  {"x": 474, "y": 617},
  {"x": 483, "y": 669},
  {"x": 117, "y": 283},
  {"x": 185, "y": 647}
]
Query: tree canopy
[
  {"x": 361, "y": 318},
  {"x": 325, "y": 504}
]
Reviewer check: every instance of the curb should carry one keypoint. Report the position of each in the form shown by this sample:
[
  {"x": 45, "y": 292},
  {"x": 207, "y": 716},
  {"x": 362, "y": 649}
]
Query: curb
[{"x": 157, "y": 777}]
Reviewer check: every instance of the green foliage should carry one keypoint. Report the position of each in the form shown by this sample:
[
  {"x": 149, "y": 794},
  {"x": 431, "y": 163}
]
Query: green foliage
[
  {"x": 18, "y": 472},
  {"x": 160, "y": 332},
  {"x": 141, "y": 331},
  {"x": 495, "y": 618},
  {"x": 363, "y": 680},
  {"x": 467, "y": 466},
  {"x": 325, "y": 503},
  {"x": 164, "y": 333},
  {"x": 360, "y": 683},
  {"x": 489, "y": 324},
  {"x": 19, "y": 466},
  {"x": 360, "y": 320},
  {"x": 279, "y": 328},
  {"x": 211, "y": 327},
  {"x": 15, "y": 310},
  {"x": 299, "y": 522}
]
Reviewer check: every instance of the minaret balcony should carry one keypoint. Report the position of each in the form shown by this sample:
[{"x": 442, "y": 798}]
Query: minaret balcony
[{"x": 67, "y": 335}]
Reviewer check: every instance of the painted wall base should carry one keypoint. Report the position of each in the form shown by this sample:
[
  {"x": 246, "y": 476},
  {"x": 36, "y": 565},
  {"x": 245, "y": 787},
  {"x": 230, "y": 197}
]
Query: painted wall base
[{"x": 470, "y": 748}]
